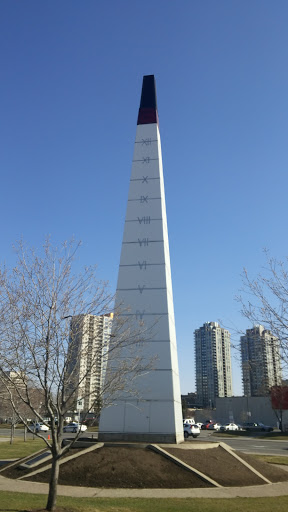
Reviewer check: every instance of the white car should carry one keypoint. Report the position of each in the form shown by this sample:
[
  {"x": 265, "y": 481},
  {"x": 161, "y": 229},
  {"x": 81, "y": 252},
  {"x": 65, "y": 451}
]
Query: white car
[
  {"x": 191, "y": 430},
  {"x": 39, "y": 427},
  {"x": 229, "y": 426},
  {"x": 74, "y": 427},
  {"x": 189, "y": 420}
]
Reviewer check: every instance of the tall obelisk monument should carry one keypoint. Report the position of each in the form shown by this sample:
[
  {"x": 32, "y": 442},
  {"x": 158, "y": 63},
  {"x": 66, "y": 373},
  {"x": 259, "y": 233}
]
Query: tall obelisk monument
[{"x": 145, "y": 287}]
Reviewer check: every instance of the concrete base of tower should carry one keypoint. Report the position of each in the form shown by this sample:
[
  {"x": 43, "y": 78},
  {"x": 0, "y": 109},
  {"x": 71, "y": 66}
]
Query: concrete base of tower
[{"x": 138, "y": 437}]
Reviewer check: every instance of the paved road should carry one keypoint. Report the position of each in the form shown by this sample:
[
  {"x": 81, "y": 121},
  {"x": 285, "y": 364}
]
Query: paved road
[
  {"x": 260, "y": 446},
  {"x": 19, "y": 432},
  {"x": 248, "y": 444}
]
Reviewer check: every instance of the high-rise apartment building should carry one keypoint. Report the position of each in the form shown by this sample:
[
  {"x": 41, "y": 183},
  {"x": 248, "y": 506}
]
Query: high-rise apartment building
[
  {"x": 261, "y": 365},
  {"x": 89, "y": 342},
  {"x": 213, "y": 363}
]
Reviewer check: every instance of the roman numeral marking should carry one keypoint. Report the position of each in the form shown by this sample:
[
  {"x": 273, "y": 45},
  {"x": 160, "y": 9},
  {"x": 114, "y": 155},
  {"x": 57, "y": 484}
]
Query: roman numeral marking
[
  {"x": 140, "y": 314},
  {"x": 146, "y": 142},
  {"x": 145, "y": 179},
  {"x": 144, "y": 199},
  {"x": 141, "y": 288},
  {"x": 145, "y": 220},
  {"x": 142, "y": 265},
  {"x": 144, "y": 241}
]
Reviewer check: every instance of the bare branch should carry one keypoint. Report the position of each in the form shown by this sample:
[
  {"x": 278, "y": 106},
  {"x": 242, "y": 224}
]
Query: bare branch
[{"x": 264, "y": 300}]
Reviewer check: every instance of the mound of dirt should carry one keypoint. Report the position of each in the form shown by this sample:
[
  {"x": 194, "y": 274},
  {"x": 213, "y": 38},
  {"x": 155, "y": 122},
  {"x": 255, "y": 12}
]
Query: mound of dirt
[
  {"x": 124, "y": 467},
  {"x": 132, "y": 466},
  {"x": 226, "y": 470}
]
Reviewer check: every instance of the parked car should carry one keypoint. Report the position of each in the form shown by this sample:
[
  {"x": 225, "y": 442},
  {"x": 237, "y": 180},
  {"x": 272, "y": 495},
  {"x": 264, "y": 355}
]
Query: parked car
[
  {"x": 207, "y": 424},
  {"x": 229, "y": 426},
  {"x": 257, "y": 427},
  {"x": 189, "y": 420},
  {"x": 39, "y": 427},
  {"x": 74, "y": 427},
  {"x": 191, "y": 430},
  {"x": 214, "y": 426},
  {"x": 199, "y": 424}
]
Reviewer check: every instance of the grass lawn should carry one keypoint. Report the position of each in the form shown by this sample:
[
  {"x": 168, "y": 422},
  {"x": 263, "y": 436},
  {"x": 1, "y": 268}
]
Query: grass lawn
[
  {"x": 93, "y": 429},
  {"x": 273, "y": 459},
  {"x": 18, "y": 502},
  {"x": 7, "y": 426},
  {"x": 19, "y": 449}
]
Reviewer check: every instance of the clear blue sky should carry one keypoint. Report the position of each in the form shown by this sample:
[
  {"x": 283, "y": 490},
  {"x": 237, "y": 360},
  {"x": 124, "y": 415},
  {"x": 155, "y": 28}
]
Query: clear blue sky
[{"x": 71, "y": 76}]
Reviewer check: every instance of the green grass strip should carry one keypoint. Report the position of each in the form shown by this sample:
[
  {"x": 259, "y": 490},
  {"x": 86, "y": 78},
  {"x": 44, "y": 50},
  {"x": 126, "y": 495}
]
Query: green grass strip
[
  {"x": 19, "y": 502},
  {"x": 19, "y": 448},
  {"x": 273, "y": 459}
]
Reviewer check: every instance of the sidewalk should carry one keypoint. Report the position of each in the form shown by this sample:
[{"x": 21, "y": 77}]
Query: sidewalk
[{"x": 261, "y": 491}]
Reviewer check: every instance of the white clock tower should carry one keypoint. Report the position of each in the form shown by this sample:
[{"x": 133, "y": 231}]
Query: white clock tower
[{"x": 145, "y": 287}]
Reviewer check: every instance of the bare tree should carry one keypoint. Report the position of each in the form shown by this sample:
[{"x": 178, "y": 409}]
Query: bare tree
[
  {"x": 264, "y": 300},
  {"x": 38, "y": 300},
  {"x": 8, "y": 396}
]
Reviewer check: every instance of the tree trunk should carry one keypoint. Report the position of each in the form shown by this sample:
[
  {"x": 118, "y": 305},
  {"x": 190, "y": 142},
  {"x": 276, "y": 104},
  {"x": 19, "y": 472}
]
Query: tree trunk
[
  {"x": 52, "y": 496},
  {"x": 11, "y": 433},
  {"x": 281, "y": 421}
]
